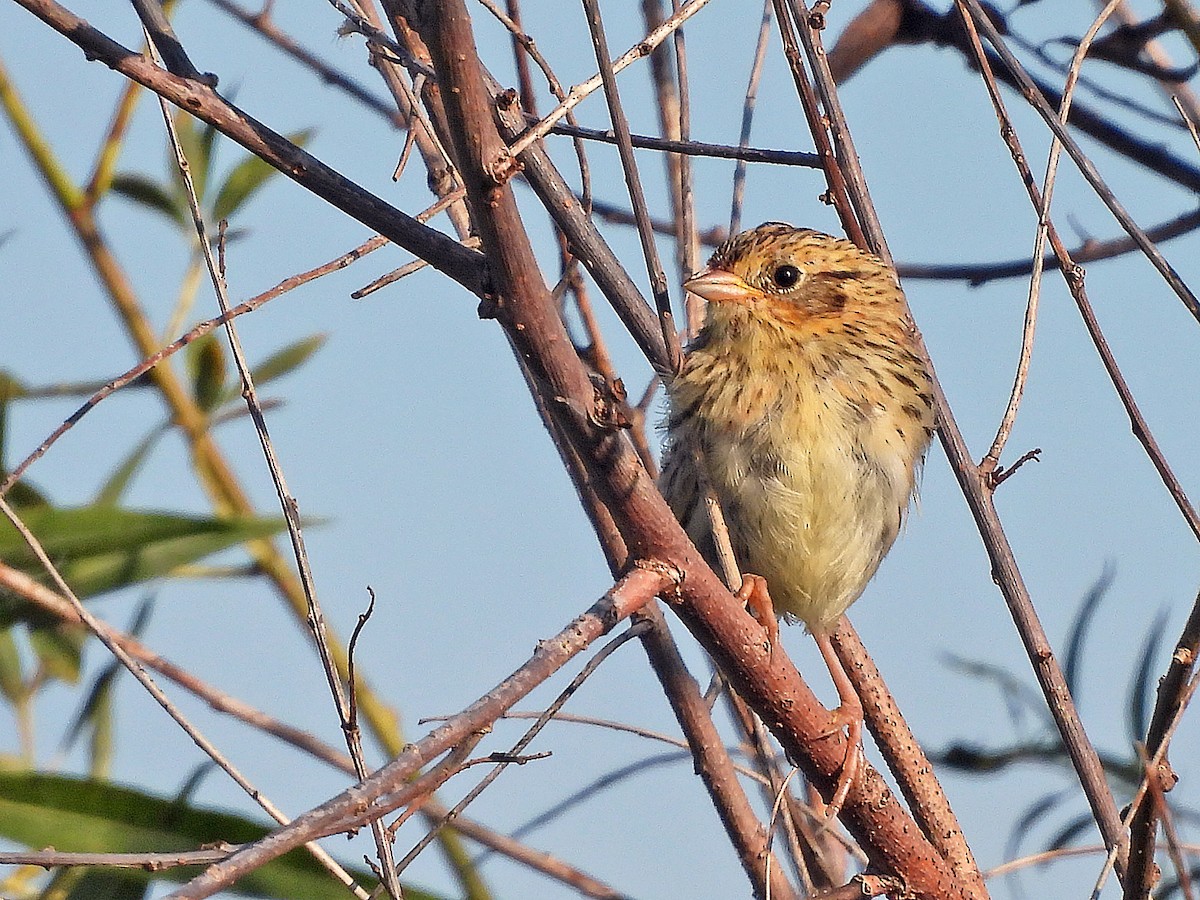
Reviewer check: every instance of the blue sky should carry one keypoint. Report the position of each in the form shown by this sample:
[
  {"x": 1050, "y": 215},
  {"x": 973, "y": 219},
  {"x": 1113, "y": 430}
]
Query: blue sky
[{"x": 412, "y": 438}]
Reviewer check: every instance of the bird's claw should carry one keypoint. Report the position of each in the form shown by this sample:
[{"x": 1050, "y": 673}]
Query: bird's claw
[{"x": 757, "y": 598}]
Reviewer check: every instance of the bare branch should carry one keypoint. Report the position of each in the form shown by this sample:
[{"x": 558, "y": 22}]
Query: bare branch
[{"x": 389, "y": 788}]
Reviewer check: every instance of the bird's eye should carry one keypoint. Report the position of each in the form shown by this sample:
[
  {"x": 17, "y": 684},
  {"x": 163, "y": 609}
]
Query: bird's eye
[{"x": 786, "y": 276}]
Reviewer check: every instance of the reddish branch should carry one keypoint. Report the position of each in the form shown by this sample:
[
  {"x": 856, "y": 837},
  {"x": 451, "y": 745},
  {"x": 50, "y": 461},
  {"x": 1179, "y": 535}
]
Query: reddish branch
[
  {"x": 1171, "y": 691},
  {"x": 390, "y": 787},
  {"x": 766, "y": 679},
  {"x": 524, "y": 308}
]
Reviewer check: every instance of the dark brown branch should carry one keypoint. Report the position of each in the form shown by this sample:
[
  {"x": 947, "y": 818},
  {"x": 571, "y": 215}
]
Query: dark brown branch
[
  {"x": 1037, "y": 99},
  {"x": 920, "y": 23},
  {"x": 442, "y": 252},
  {"x": 1171, "y": 691},
  {"x": 801, "y": 158},
  {"x": 637, "y": 197},
  {"x": 174, "y": 57},
  {"x": 1090, "y": 251}
]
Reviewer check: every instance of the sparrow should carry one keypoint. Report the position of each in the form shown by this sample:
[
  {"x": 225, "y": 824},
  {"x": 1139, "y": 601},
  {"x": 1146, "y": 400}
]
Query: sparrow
[{"x": 806, "y": 409}]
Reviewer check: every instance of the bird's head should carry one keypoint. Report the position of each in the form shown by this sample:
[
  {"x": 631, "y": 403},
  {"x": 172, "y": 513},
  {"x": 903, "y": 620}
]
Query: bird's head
[{"x": 789, "y": 275}]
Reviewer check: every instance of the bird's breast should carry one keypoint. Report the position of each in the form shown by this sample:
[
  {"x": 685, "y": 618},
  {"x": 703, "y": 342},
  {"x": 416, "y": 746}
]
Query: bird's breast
[{"x": 805, "y": 447}]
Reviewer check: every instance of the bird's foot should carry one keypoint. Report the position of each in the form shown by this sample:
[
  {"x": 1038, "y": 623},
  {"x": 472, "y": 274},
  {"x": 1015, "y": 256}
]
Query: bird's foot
[
  {"x": 757, "y": 598},
  {"x": 848, "y": 715},
  {"x": 852, "y": 721}
]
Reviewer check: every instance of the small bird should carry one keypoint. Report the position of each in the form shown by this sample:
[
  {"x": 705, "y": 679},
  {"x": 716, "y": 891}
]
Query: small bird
[{"x": 804, "y": 406}]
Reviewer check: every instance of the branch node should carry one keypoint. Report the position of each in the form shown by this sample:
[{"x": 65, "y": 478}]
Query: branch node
[
  {"x": 670, "y": 571},
  {"x": 503, "y": 167},
  {"x": 609, "y": 404},
  {"x": 998, "y": 475}
]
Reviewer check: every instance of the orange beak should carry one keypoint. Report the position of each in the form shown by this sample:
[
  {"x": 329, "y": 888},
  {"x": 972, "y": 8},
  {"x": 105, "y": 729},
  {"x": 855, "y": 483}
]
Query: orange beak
[{"x": 717, "y": 285}]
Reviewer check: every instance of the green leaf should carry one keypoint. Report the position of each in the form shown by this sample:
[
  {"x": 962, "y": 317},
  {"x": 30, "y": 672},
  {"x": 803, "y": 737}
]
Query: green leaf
[
  {"x": 109, "y": 884},
  {"x": 99, "y": 548},
  {"x": 290, "y": 357},
  {"x": 1141, "y": 692},
  {"x": 96, "y": 712},
  {"x": 59, "y": 648},
  {"x": 91, "y": 816},
  {"x": 205, "y": 359},
  {"x": 246, "y": 178},
  {"x": 198, "y": 153},
  {"x": 149, "y": 193},
  {"x": 118, "y": 481},
  {"x": 1077, "y": 634},
  {"x": 12, "y": 673}
]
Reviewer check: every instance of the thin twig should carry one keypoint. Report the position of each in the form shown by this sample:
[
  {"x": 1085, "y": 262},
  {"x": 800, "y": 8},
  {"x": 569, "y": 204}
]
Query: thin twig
[
  {"x": 23, "y": 586},
  {"x": 1074, "y": 275},
  {"x": 587, "y": 243},
  {"x": 818, "y": 126},
  {"x": 1154, "y": 50},
  {"x": 804, "y": 848},
  {"x": 668, "y": 100},
  {"x": 355, "y": 21},
  {"x": 581, "y": 91},
  {"x": 748, "y": 104},
  {"x": 525, "y": 49},
  {"x": 712, "y": 763},
  {"x": 131, "y": 375},
  {"x": 544, "y": 719},
  {"x": 978, "y": 490},
  {"x": 808, "y": 27},
  {"x": 151, "y": 862},
  {"x": 388, "y": 788},
  {"x": 261, "y": 22},
  {"x": 1090, "y": 250},
  {"x": 658, "y": 280},
  {"x": 1189, "y": 120},
  {"x": 1083, "y": 163},
  {"x": 799, "y": 158},
  {"x": 992, "y": 458},
  {"x": 686, "y": 241},
  {"x": 287, "y": 501}
]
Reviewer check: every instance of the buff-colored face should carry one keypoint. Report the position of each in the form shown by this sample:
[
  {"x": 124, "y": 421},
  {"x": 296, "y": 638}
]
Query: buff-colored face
[{"x": 791, "y": 272}]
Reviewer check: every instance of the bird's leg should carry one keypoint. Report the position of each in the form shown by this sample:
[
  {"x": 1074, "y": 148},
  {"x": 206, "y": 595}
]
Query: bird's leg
[
  {"x": 849, "y": 714},
  {"x": 757, "y": 598}
]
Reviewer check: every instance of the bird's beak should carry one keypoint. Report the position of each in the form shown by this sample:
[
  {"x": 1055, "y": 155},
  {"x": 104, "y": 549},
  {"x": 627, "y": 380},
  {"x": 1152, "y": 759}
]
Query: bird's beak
[{"x": 717, "y": 285}]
